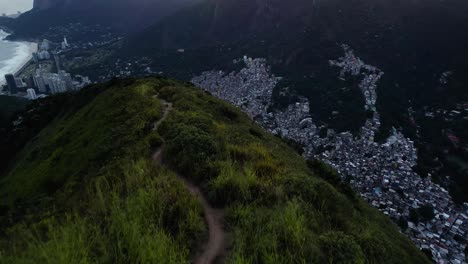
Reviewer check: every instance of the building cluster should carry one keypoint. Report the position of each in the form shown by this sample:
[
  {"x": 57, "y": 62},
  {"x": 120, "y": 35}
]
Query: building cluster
[
  {"x": 444, "y": 77},
  {"x": 42, "y": 81},
  {"x": 351, "y": 64},
  {"x": 121, "y": 68},
  {"x": 81, "y": 36},
  {"x": 382, "y": 173},
  {"x": 43, "y": 52},
  {"x": 255, "y": 74},
  {"x": 53, "y": 83},
  {"x": 455, "y": 115},
  {"x": 448, "y": 115}
]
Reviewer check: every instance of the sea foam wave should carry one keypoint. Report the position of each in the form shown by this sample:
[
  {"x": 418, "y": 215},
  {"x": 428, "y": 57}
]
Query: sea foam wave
[{"x": 22, "y": 54}]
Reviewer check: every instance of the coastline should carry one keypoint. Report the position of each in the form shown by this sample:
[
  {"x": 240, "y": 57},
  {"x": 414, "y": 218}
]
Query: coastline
[
  {"x": 32, "y": 47},
  {"x": 22, "y": 56}
]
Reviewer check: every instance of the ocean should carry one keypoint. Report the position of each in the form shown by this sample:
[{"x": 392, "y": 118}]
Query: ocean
[{"x": 13, "y": 55}]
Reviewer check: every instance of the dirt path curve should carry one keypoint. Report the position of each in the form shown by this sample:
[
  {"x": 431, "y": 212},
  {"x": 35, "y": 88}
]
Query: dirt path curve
[{"x": 216, "y": 245}]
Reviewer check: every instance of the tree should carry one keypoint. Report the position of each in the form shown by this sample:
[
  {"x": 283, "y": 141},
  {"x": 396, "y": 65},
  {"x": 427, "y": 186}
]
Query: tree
[
  {"x": 424, "y": 213},
  {"x": 402, "y": 223}
]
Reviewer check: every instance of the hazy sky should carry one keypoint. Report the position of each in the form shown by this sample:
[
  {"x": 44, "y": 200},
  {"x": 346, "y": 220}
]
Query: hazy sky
[{"x": 12, "y": 6}]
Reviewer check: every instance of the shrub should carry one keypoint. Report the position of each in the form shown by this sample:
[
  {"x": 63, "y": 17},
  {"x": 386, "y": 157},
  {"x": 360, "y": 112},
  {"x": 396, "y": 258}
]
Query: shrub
[
  {"x": 155, "y": 140},
  {"x": 233, "y": 185},
  {"x": 331, "y": 176},
  {"x": 266, "y": 169},
  {"x": 229, "y": 112},
  {"x": 190, "y": 149},
  {"x": 341, "y": 248}
]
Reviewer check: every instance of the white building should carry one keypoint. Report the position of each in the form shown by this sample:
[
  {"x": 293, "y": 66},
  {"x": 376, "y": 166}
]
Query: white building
[
  {"x": 19, "y": 83},
  {"x": 45, "y": 45},
  {"x": 65, "y": 44},
  {"x": 31, "y": 94}
]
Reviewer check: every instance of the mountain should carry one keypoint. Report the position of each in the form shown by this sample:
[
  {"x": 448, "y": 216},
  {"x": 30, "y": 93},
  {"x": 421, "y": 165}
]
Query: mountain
[
  {"x": 383, "y": 31},
  {"x": 5, "y": 22},
  {"x": 413, "y": 42},
  {"x": 44, "y": 4},
  {"x": 127, "y": 172},
  {"x": 121, "y": 15}
]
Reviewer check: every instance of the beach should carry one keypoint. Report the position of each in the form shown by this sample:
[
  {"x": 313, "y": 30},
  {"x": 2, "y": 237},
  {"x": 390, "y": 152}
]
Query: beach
[{"x": 14, "y": 55}]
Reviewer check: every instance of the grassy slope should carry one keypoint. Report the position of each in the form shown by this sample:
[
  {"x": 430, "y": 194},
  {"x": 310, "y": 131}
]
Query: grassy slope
[{"x": 85, "y": 190}]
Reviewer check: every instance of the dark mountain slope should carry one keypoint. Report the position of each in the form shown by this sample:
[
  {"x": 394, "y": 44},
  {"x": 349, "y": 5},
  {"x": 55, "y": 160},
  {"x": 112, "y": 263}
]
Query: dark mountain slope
[
  {"x": 122, "y": 15},
  {"x": 44, "y": 4},
  {"x": 85, "y": 188},
  {"x": 221, "y": 21},
  {"x": 411, "y": 41},
  {"x": 9, "y": 105},
  {"x": 385, "y": 33}
]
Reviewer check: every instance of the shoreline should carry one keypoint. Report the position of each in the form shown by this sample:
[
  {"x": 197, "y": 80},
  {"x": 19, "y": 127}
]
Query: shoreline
[
  {"x": 32, "y": 47},
  {"x": 22, "y": 56}
]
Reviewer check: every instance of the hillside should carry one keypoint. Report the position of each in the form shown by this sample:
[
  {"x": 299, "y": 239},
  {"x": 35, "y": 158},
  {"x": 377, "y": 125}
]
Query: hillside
[
  {"x": 122, "y": 15},
  {"x": 413, "y": 42},
  {"x": 110, "y": 180},
  {"x": 8, "y": 106}
]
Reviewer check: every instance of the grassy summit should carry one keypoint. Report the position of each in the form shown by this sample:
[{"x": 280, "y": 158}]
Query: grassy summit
[{"x": 86, "y": 190}]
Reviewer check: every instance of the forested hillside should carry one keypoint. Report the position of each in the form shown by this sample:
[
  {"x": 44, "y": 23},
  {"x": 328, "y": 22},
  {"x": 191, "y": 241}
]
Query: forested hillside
[{"x": 9, "y": 105}]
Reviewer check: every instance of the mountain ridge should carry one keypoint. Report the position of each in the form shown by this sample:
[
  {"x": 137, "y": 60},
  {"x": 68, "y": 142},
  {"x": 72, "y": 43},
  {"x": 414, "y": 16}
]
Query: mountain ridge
[
  {"x": 122, "y": 15},
  {"x": 90, "y": 172}
]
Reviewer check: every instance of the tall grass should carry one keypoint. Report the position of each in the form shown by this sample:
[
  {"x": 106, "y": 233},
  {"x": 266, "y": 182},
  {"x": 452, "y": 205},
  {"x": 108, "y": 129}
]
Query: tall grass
[
  {"x": 108, "y": 203},
  {"x": 277, "y": 208},
  {"x": 122, "y": 208},
  {"x": 70, "y": 240}
]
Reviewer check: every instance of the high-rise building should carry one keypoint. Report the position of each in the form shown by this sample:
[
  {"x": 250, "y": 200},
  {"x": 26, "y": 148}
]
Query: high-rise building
[
  {"x": 20, "y": 84},
  {"x": 66, "y": 77},
  {"x": 39, "y": 81},
  {"x": 35, "y": 57},
  {"x": 30, "y": 82},
  {"x": 43, "y": 55},
  {"x": 31, "y": 94},
  {"x": 11, "y": 82},
  {"x": 45, "y": 45},
  {"x": 47, "y": 82},
  {"x": 56, "y": 83},
  {"x": 65, "y": 43}
]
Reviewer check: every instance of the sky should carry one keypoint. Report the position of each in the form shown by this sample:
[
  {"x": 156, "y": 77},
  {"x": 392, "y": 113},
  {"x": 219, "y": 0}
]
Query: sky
[{"x": 12, "y": 6}]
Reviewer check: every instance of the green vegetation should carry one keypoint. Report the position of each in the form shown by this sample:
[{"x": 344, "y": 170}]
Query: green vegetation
[
  {"x": 422, "y": 214},
  {"x": 278, "y": 210},
  {"x": 8, "y": 106},
  {"x": 85, "y": 190}
]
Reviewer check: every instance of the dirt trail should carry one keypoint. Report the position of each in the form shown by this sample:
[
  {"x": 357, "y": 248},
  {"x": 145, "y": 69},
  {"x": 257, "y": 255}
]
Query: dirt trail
[{"x": 216, "y": 245}]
